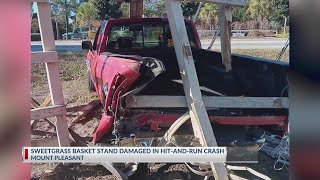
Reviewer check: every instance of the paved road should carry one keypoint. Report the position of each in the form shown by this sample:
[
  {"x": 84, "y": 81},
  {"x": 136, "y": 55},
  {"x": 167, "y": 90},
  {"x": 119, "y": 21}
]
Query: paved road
[
  {"x": 61, "y": 46},
  {"x": 266, "y": 43}
]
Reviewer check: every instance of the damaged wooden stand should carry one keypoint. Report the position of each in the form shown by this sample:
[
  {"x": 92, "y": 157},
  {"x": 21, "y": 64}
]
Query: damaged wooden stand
[
  {"x": 49, "y": 56},
  {"x": 197, "y": 110}
]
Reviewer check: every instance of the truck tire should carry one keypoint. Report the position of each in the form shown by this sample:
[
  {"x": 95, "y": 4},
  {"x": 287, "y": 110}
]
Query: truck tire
[{"x": 91, "y": 87}]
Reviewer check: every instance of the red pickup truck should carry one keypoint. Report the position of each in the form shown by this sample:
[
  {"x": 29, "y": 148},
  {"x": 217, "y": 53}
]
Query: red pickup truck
[{"x": 137, "y": 57}]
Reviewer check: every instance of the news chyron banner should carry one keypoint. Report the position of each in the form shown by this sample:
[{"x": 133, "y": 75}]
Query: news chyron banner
[{"x": 123, "y": 154}]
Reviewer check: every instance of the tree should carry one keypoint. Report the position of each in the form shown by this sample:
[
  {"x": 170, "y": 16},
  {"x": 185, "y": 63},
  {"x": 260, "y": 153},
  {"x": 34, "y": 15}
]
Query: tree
[
  {"x": 240, "y": 13},
  {"x": 189, "y": 8},
  {"x": 87, "y": 13},
  {"x": 62, "y": 10},
  {"x": 281, "y": 12},
  {"x": 125, "y": 8},
  {"x": 209, "y": 15},
  {"x": 108, "y": 9},
  {"x": 157, "y": 8},
  {"x": 262, "y": 10},
  {"x": 154, "y": 8}
]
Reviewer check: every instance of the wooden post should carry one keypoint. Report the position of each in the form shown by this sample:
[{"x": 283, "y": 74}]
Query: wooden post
[
  {"x": 136, "y": 8},
  {"x": 46, "y": 31},
  {"x": 199, "y": 117},
  {"x": 225, "y": 15}
]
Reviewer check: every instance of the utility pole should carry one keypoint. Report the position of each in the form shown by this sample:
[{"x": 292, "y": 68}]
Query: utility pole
[
  {"x": 57, "y": 26},
  {"x": 67, "y": 19}
]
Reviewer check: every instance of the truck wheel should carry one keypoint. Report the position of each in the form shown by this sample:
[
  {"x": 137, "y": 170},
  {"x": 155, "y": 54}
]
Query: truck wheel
[{"x": 90, "y": 84}]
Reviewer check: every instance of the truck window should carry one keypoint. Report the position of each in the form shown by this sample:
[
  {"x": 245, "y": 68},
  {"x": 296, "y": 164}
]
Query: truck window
[
  {"x": 168, "y": 37},
  {"x": 153, "y": 35},
  {"x": 148, "y": 34},
  {"x": 125, "y": 36}
]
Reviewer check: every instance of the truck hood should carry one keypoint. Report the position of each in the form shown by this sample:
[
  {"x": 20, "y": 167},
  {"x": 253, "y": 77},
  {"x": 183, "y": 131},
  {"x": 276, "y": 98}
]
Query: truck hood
[{"x": 116, "y": 76}]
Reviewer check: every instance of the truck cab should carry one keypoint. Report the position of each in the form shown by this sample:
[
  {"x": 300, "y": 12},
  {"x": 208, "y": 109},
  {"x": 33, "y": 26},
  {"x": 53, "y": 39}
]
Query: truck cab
[{"x": 126, "y": 35}]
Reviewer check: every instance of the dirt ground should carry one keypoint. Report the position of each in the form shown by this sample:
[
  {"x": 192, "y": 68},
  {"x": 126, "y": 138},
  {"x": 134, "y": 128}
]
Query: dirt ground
[{"x": 74, "y": 76}]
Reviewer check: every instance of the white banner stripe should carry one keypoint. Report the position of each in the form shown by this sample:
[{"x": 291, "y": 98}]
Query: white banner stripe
[{"x": 124, "y": 154}]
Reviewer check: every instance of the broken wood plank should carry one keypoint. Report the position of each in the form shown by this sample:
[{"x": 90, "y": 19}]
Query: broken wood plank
[
  {"x": 34, "y": 103},
  {"x": 86, "y": 110},
  {"x": 46, "y": 101},
  {"x": 209, "y": 102},
  {"x": 77, "y": 139},
  {"x": 41, "y": 113},
  {"x": 225, "y": 16}
]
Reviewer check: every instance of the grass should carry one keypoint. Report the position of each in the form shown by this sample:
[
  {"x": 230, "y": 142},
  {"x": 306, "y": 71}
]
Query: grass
[
  {"x": 263, "y": 53},
  {"x": 282, "y": 35},
  {"x": 73, "y": 72}
]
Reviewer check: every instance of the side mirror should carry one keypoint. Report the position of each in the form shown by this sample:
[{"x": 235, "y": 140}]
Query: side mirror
[{"x": 86, "y": 45}]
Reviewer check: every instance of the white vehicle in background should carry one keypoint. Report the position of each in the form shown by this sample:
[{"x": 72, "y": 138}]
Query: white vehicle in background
[{"x": 77, "y": 33}]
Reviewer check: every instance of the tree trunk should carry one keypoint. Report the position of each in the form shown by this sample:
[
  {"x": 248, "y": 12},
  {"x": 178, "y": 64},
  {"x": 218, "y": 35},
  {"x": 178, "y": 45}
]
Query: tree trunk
[
  {"x": 260, "y": 20},
  {"x": 67, "y": 19},
  {"x": 285, "y": 25},
  {"x": 57, "y": 28}
]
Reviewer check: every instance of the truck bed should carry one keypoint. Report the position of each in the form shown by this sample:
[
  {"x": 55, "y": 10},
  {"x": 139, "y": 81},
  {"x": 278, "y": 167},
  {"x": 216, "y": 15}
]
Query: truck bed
[{"x": 250, "y": 76}]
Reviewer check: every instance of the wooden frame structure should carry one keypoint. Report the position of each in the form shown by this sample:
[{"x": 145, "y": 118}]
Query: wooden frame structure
[
  {"x": 197, "y": 110},
  {"x": 209, "y": 102},
  {"x": 49, "y": 56}
]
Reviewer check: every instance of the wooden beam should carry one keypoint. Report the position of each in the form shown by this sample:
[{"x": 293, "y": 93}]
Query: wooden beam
[
  {"x": 41, "y": 113},
  {"x": 53, "y": 74},
  {"x": 44, "y": 57},
  {"x": 46, "y": 101},
  {"x": 225, "y": 16},
  {"x": 209, "y": 102},
  {"x": 225, "y": 2},
  {"x": 36, "y": 104},
  {"x": 199, "y": 117},
  {"x": 86, "y": 110},
  {"x": 136, "y": 8}
]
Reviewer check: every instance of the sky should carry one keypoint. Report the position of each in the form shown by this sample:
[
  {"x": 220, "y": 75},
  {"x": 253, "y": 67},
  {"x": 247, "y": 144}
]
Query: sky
[{"x": 34, "y": 8}]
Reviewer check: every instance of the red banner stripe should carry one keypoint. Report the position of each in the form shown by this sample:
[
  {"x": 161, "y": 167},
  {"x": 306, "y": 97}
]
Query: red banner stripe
[{"x": 25, "y": 153}]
